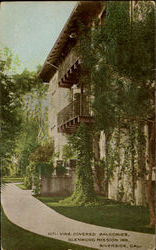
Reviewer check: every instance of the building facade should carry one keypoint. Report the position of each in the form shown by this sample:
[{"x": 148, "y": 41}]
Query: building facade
[
  {"x": 69, "y": 102},
  {"x": 69, "y": 105}
]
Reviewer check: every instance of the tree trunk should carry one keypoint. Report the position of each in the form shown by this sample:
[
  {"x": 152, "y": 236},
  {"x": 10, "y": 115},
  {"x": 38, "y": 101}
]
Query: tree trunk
[{"x": 151, "y": 150}]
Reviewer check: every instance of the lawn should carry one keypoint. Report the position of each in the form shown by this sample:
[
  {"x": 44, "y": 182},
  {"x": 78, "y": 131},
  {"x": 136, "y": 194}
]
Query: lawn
[
  {"x": 22, "y": 186},
  {"x": 12, "y": 179},
  {"x": 107, "y": 213},
  {"x": 16, "y": 238}
]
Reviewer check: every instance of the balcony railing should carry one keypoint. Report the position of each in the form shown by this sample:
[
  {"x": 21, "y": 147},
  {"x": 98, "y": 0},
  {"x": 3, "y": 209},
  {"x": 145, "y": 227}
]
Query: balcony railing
[{"x": 77, "y": 108}]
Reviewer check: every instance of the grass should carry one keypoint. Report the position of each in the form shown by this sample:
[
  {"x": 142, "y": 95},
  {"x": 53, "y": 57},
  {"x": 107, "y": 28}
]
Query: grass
[
  {"x": 15, "y": 180},
  {"x": 12, "y": 179},
  {"x": 22, "y": 186},
  {"x": 106, "y": 213},
  {"x": 16, "y": 238}
]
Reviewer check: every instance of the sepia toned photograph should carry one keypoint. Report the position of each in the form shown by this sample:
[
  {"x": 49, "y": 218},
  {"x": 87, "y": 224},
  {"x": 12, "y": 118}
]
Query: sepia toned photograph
[{"x": 77, "y": 125}]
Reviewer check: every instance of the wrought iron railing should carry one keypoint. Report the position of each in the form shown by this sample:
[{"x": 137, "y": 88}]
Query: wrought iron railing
[{"x": 79, "y": 107}]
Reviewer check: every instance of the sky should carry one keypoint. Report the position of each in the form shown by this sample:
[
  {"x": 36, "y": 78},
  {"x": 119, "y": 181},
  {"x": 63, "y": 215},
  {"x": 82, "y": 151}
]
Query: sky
[{"x": 30, "y": 29}]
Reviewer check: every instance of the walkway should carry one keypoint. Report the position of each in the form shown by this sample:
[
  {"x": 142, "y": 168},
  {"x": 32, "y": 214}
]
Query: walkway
[{"x": 29, "y": 213}]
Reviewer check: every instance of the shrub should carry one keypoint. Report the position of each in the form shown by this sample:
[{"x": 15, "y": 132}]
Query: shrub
[{"x": 60, "y": 170}]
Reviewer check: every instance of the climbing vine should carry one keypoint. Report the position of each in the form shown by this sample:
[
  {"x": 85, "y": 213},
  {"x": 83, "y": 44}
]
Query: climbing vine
[
  {"x": 119, "y": 56},
  {"x": 125, "y": 159},
  {"x": 82, "y": 144}
]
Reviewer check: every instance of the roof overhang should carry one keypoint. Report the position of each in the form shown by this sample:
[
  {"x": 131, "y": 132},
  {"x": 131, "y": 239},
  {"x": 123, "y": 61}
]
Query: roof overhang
[{"x": 82, "y": 11}]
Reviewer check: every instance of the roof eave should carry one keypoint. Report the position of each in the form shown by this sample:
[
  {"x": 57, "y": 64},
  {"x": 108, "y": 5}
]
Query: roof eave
[{"x": 49, "y": 68}]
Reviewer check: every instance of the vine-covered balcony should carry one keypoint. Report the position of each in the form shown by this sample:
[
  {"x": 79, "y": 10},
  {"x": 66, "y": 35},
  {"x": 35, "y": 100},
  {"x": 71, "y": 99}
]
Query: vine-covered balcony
[{"x": 69, "y": 118}]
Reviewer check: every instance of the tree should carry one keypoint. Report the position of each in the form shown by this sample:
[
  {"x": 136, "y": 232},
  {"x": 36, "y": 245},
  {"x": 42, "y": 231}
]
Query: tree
[
  {"x": 43, "y": 153},
  {"x": 26, "y": 143},
  {"x": 13, "y": 88},
  {"x": 33, "y": 133},
  {"x": 10, "y": 105},
  {"x": 35, "y": 106},
  {"x": 119, "y": 57}
]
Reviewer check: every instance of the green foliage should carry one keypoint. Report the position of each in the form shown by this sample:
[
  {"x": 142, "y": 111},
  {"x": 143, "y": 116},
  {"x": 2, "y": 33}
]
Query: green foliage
[
  {"x": 35, "y": 106},
  {"x": 45, "y": 168},
  {"x": 117, "y": 34},
  {"x": 42, "y": 156},
  {"x": 105, "y": 212},
  {"x": 119, "y": 56},
  {"x": 118, "y": 63},
  {"x": 34, "y": 122},
  {"x": 125, "y": 157},
  {"x": 68, "y": 152},
  {"x": 10, "y": 119},
  {"x": 60, "y": 170},
  {"x": 36, "y": 184},
  {"x": 32, "y": 178},
  {"x": 34, "y": 129},
  {"x": 82, "y": 144},
  {"x": 22, "y": 186},
  {"x": 111, "y": 161},
  {"x": 15, "y": 237},
  {"x": 12, "y": 179},
  {"x": 120, "y": 192},
  {"x": 28, "y": 177},
  {"x": 43, "y": 153},
  {"x": 12, "y": 168},
  {"x": 40, "y": 159},
  {"x": 26, "y": 143},
  {"x": 141, "y": 151},
  {"x": 26, "y": 82},
  {"x": 28, "y": 182},
  {"x": 13, "y": 90}
]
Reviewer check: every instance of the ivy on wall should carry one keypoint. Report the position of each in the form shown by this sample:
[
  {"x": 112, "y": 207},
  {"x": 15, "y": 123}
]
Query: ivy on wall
[
  {"x": 119, "y": 58},
  {"x": 82, "y": 144},
  {"x": 125, "y": 159}
]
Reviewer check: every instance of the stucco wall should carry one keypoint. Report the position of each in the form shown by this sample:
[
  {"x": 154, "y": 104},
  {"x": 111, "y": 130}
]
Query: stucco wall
[
  {"x": 58, "y": 99},
  {"x": 57, "y": 185},
  {"x": 61, "y": 185},
  {"x": 120, "y": 185}
]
